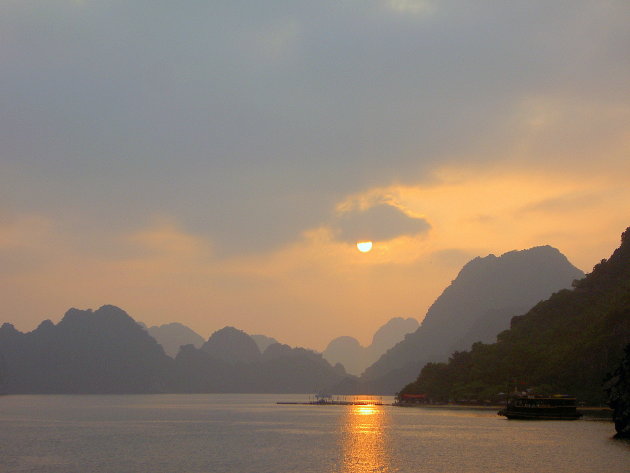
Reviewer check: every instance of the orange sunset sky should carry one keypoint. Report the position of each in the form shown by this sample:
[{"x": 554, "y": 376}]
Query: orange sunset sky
[{"x": 215, "y": 163}]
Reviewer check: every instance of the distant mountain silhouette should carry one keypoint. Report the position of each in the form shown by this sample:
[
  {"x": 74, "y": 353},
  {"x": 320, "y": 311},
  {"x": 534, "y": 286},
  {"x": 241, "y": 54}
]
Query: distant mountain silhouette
[
  {"x": 232, "y": 345},
  {"x": 476, "y": 306},
  {"x": 104, "y": 351},
  {"x": 297, "y": 370},
  {"x": 391, "y": 333},
  {"x": 263, "y": 341},
  {"x": 355, "y": 358},
  {"x": 172, "y": 336},
  {"x": 231, "y": 362},
  {"x": 349, "y": 352}
]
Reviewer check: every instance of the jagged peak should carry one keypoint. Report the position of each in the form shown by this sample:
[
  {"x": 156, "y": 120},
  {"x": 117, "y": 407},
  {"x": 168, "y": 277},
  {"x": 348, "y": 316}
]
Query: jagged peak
[
  {"x": 109, "y": 309},
  {"x": 619, "y": 262},
  {"x": 105, "y": 312},
  {"x": 490, "y": 261},
  {"x": 231, "y": 330},
  {"x": 73, "y": 314},
  {"x": 232, "y": 344},
  {"x": 45, "y": 325},
  {"x": 623, "y": 251},
  {"x": 275, "y": 350},
  {"x": 8, "y": 328}
]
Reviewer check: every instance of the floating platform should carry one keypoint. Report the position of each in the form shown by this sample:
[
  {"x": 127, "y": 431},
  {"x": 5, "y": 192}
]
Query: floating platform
[
  {"x": 335, "y": 403},
  {"x": 330, "y": 401}
]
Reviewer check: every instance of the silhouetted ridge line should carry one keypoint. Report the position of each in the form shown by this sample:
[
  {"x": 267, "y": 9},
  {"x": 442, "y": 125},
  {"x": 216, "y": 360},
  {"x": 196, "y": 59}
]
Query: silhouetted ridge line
[
  {"x": 172, "y": 336},
  {"x": 102, "y": 351},
  {"x": 355, "y": 358},
  {"x": 476, "y": 306},
  {"x": 566, "y": 344},
  {"x": 106, "y": 351},
  {"x": 232, "y": 345}
]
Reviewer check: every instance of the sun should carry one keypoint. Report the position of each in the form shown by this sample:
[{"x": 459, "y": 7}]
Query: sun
[{"x": 364, "y": 246}]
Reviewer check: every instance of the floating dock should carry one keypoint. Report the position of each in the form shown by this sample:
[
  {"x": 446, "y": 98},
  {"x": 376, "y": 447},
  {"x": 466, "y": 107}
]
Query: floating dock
[{"x": 327, "y": 400}]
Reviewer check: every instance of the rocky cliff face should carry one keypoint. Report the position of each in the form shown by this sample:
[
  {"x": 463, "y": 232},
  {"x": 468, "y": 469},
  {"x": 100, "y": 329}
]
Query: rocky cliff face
[
  {"x": 567, "y": 343},
  {"x": 476, "y": 306}
]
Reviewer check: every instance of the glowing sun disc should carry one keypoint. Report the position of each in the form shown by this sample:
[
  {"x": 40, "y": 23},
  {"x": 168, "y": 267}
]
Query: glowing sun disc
[{"x": 364, "y": 246}]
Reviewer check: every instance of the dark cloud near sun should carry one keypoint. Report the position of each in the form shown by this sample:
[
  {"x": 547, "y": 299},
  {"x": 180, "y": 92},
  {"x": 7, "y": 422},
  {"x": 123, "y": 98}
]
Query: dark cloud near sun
[{"x": 378, "y": 223}]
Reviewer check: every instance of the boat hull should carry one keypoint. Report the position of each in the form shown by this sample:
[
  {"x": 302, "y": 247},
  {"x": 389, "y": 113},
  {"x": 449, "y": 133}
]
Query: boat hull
[
  {"x": 536, "y": 407},
  {"x": 515, "y": 415}
]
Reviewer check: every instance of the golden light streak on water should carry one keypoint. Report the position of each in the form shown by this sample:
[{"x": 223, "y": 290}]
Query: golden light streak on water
[{"x": 365, "y": 440}]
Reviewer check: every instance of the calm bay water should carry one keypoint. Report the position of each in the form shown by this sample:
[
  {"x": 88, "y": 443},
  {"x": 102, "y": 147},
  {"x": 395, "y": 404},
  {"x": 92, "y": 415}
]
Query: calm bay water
[{"x": 250, "y": 433}]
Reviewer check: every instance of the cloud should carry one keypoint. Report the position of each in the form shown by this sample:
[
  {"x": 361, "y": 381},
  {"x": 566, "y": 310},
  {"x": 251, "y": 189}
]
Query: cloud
[
  {"x": 163, "y": 239},
  {"x": 411, "y": 6},
  {"x": 564, "y": 203},
  {"x": 236, "y": 116},
  {"x": 378, "y": 223},
  {"x": 162, "y": 271},
  {"x": 248, "y": 121}
]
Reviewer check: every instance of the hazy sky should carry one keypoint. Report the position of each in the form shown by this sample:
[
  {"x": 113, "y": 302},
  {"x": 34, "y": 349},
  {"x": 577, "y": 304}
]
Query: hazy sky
[{"x": 215, "y": 162}]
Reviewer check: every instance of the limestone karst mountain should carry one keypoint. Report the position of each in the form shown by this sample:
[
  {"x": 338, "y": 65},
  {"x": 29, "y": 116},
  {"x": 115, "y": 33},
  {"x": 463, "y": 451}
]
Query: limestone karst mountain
[
  {"x": 263, "y": 341},
  {"x": 476, "y": 306},
  {"x": 174, "y": 335},
  {"x": 355, "y": 357},
  {"x": 102, "y": 351},
  {"x": 106, "y": 351},
  {"x": 567, "y": 343},
  {"x": 232, "y": 345},
  {"x": 231, "y": 362}
]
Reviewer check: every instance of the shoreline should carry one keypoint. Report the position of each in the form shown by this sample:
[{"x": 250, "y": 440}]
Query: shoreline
[{"x": 594, "y": 412}]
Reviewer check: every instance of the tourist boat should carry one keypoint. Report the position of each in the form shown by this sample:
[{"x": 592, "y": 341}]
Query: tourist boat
[{"x": 536, "y": 407}]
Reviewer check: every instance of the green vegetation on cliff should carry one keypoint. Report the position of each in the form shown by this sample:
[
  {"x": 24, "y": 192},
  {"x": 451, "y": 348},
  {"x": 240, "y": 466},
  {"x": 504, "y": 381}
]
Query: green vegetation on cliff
[{"x": 566, "y": 344}]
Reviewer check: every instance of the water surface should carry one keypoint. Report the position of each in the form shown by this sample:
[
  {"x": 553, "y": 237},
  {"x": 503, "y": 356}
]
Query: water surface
[{"x": 250, "y": 433}]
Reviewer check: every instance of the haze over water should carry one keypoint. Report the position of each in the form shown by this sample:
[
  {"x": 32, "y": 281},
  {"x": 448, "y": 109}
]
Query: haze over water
[{"x": 250, "y": 433}]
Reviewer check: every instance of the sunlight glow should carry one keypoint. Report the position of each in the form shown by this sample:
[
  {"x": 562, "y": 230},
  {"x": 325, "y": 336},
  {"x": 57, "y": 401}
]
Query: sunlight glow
[
  {"x": 365, "y": 443},
  {"x": 364, "y": 246},
  {"x": 365, "y": 410}
]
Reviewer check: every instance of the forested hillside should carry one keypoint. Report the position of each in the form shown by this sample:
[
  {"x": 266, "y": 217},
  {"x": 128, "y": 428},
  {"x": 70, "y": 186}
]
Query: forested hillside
[{"x": 565, "y": 344}]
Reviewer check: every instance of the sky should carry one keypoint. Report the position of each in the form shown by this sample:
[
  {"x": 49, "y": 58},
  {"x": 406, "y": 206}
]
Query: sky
[{"x": 215, "y": 163}]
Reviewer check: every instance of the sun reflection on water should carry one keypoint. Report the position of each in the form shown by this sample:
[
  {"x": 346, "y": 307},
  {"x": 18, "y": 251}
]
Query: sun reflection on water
[{"x": 365, "y": 440}]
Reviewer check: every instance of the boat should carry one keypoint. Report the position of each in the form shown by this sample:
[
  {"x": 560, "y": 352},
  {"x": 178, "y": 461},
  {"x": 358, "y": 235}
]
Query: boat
[{"x": 537, "y": 407}]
